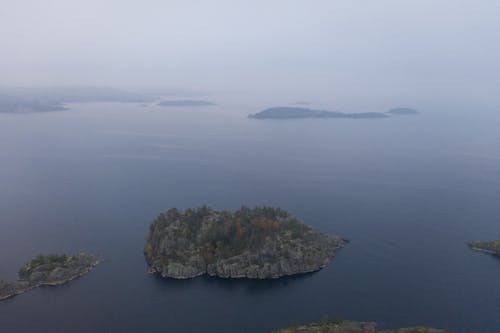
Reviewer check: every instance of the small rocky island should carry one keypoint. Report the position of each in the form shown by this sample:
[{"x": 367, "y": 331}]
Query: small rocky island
[
  {"x": 48, "y": 270},
  {"x": 290, "y": 112},
  {"x": 186, "y": 102},
  {"x": 492, "y": 247},
  {"x": 344, "y": 326},
  {"x": 402, "y": 111},
  {"x": 253, "y": 243}
]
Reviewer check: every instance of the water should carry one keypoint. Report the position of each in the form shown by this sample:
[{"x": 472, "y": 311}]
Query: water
[{"x": 408, "y": 192}]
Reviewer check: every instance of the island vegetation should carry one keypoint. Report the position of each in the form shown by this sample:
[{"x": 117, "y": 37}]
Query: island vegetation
[
  {"x": 255, "y": 243},
  {"x": 327, "y": 325},
  {"x": 186, "y": 102},
  {"x": 290, "y": 112},
  {"x": 492, "y": 247},
  {"x": 48, "y": 270}
]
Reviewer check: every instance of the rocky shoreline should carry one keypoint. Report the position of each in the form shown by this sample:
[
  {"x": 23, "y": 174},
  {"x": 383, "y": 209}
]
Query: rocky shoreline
[
  {"x": 251, "y": 243},
  {"x": 492, "y": 247},
  {"x": 344, "y": 326},
  {"x": 52, "y": 270}
]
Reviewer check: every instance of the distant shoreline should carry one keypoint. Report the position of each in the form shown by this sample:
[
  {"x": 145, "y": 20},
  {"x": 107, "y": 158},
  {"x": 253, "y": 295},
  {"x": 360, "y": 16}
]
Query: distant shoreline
[
  {"x": 293, "y": 112},
  {"x": 186, "y": 102}
]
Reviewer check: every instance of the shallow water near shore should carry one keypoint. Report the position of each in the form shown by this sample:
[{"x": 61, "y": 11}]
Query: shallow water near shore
[{"x": 408, "y": 192}]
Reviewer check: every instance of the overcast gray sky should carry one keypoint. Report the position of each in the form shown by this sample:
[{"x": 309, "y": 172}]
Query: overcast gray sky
[{"x": 448, "y": 47}]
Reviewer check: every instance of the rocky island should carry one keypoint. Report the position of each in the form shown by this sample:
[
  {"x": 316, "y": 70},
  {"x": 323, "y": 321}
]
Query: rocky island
[
  {"x": 492, "y": 247},
  {"x": 344, "y": 326},
  {"x": 253, "y": 243},
  {"x": 289, "y": 112},
  {"x": 48, "y": 270}
]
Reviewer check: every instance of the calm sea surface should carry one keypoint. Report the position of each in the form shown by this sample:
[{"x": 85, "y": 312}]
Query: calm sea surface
[{"x": 408, "y": 192}]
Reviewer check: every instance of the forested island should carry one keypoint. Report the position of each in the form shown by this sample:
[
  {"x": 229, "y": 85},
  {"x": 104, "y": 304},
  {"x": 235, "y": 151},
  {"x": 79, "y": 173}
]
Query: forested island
[
  {"x": 402, "y": 111},
  {"x": 253, "y": 243},
  {"x": 492, "y": 247},
  {"x": 186, "y": 102},
  {"x": 343, "y": 326},
  {"x": 48, "y": 270},
  {"x": 290, "y": 112}
]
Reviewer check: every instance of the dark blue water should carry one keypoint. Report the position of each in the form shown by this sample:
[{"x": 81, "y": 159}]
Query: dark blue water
[{"x": 408, "y": 191}]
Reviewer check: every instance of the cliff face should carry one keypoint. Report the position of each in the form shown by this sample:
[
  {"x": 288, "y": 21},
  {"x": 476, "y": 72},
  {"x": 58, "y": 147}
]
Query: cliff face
[
  {"x": 492, "y": 247},
  {"x": 258, "y": 243}
]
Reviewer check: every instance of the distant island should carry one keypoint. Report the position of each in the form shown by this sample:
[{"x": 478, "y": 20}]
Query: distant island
[
  {"x": 14, "y": 104},
  {"x": 48, "y": 270},
  {"x": 45, "y": 99},
  {"x": 290, "y": 112},
  {"x": 402, "y": 111},
  {"x": 253, "y": 243},
  {"x": 343, "y": 326},
  {"x": 186, "y": 102},
  {"x": 492, "y": 247}
]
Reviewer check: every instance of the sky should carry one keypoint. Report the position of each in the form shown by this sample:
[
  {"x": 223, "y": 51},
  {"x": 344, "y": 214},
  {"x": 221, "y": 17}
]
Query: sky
[{"x": 351, "y": 48}]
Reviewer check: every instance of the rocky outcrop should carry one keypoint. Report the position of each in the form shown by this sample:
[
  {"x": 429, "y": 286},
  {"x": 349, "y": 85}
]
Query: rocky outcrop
[
  {"x": 258, "y": 243},
  {"x": 342, "y": 326},
  {"x": 51, "y": 270},
  {"x": 10, "y": 289},
  {"x": 492, "y": 247}
]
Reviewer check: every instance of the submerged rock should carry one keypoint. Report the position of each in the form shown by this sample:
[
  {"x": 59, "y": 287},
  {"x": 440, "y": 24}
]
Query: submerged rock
[{"x": 253, "y": 243}]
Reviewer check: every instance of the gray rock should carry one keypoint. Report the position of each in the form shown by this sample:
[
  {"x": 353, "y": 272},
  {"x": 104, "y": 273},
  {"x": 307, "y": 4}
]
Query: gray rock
[
  {"x": 48, "y": 270},
  {"x": 204, "y": 241}
]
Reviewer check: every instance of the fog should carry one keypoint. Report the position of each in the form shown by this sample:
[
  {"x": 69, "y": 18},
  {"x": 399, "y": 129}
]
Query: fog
[{"x": 346, "y": 50}]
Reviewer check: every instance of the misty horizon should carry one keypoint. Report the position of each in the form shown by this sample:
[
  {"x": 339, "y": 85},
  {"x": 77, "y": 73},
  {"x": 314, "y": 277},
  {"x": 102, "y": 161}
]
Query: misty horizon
[{"x": 412, "y": 51}]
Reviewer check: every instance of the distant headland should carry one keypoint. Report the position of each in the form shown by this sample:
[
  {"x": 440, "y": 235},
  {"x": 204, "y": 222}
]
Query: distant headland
[
  {"x": 402, "y": 111},
  {"x": 186, "y": 102},
  {"x": 45, "y": 99},
  {"x": 48, "y": 270},
  {"x": 253, "y": 243}
]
